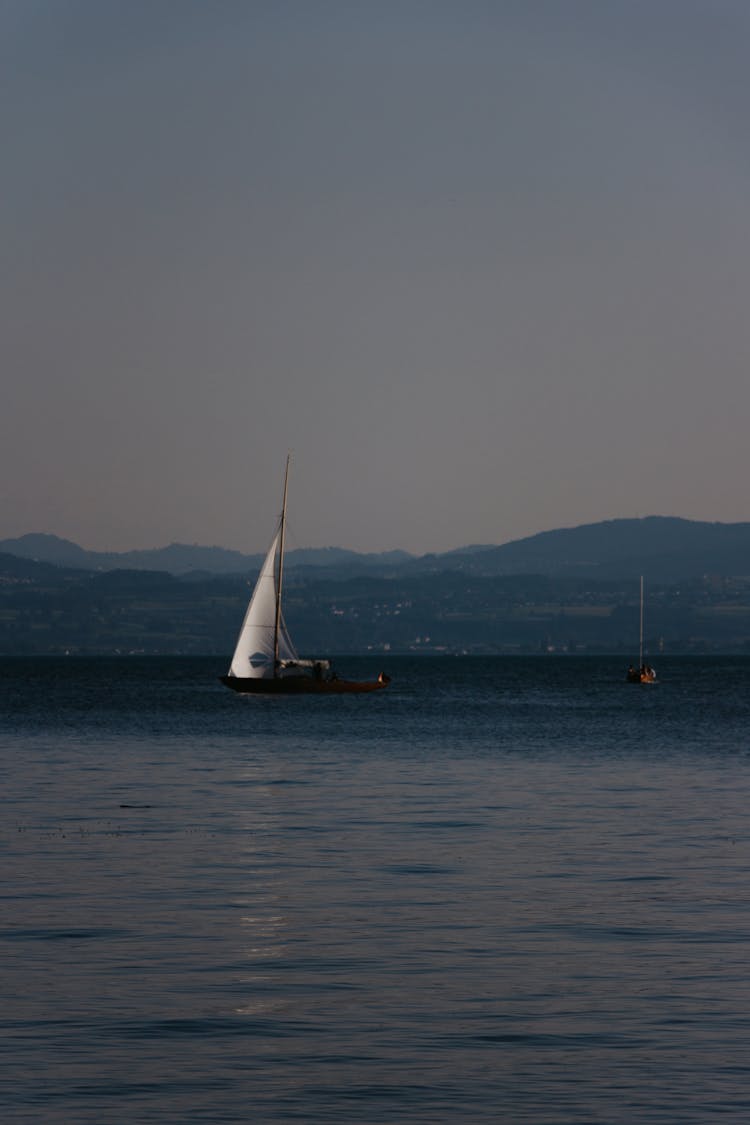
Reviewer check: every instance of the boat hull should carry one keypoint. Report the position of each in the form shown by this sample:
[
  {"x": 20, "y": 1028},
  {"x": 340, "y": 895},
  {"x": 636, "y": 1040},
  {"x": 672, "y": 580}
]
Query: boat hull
[
  {"x": 640, "y": 678},
  {"x": 303, "y": 685}
]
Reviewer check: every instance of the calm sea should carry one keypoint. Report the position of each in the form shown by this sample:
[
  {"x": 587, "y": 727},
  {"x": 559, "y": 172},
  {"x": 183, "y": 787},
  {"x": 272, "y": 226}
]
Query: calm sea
[{"x": 504, "y": 890}]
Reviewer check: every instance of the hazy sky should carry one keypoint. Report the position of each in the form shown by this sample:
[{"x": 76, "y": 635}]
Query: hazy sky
[{"x": 483, "y": 266}]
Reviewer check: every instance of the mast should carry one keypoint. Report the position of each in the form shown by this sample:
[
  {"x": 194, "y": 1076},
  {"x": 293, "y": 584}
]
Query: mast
[
  {"x": 640, "y": 642},
  {"x": 277, "y": 622}
]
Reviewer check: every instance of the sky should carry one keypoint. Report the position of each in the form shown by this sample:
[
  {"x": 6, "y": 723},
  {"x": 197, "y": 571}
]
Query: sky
[{"x": 481, "y": 266}]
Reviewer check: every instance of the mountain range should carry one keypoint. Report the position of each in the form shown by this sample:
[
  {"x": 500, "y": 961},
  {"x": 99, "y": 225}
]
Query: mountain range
[
  {"x": 180, "y": 558},
  {"x": 666, "y": 548},
  {"x": 569, "y": 590}
]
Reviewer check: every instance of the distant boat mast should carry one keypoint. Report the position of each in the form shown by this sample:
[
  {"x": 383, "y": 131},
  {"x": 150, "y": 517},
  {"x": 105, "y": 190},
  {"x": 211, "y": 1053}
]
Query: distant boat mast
[
  {"x": 277, "y": 624},
  {"x": 640, "y": 642}
]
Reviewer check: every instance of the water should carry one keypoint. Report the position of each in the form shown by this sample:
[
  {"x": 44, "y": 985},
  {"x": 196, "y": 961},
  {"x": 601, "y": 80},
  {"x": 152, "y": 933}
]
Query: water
[{"x": 506, "y": 890}]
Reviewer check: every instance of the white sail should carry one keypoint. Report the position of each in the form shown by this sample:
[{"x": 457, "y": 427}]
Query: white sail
[{"x": 254, "y": 654}]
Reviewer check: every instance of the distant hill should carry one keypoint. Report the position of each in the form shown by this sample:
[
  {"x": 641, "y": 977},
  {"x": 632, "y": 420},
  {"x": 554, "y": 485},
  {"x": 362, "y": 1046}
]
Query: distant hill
[
  {"x": 182, "y": 558},
  {"x": 664, "y": 548},
  {"x": 177, "y": 558},
  {"x": 16, "y": 568}
]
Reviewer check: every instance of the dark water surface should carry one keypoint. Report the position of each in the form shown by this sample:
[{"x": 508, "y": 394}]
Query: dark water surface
[{"x": 501, "y": 891}]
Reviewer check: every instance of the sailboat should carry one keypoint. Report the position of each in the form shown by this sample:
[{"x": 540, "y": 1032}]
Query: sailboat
[
  {"x": 644, "y": 673},
  {"x": 265, "y": 661}
]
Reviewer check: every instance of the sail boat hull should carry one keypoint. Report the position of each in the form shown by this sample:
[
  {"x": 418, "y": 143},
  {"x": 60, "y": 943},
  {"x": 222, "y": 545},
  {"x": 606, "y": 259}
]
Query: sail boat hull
[
  {"x": 639, "y": 677},
  {"x": 302, "y": 685}
]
